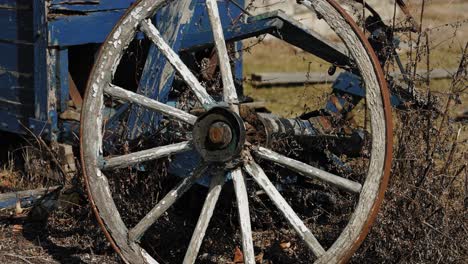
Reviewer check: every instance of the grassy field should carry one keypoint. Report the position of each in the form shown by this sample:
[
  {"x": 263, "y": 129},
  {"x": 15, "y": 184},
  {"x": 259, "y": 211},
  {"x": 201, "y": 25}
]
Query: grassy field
[
  {"x": 293, "y": 100},
  {"x": 278, "y": 56}
]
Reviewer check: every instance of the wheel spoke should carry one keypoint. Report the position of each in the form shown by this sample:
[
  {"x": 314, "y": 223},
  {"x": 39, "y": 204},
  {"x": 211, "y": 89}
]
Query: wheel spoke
[
  {"x": 138, "y": 231},
  {"x": 260, "y": 177},
  {"x": 153, "y": 34},
  {"x": 309, "y": 171},
  {"x": 162, "y": 108},
  {"x": 229, "y": 89},
  {"x": 145, "y": 155},
  {"x": 204, "y": 219},
  {"x": 244, "y": 216}
]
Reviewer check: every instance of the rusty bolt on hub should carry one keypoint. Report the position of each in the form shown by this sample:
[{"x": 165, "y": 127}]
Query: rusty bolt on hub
[{"x": 220, "y": 134}]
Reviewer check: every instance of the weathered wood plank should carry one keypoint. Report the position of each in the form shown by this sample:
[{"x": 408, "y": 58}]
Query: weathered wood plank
[
  {"x": 89, "y": 5},
  {"x": 142, "y": 100},
  {"x": 145, "y": 155},
  {"x": 301, "y": 229},
  {"x": 17, "y": 58},
  {"x": 79, "y": 29},
  {"x": 268, "y": 79},
  {"x": 27, "y": 198},
  {"x": 200, "y": 92},
  {"x": 16, "y": 86},
  {"x": 15, "y": 123},
  {"x": 16, "y": 108},
  {"x": 158, "y": 74},
  {"x": 244, "y": 216},
  {"x": 16, "y": 4},
  {"x": 17, "y": 25},
  {"x": 229, "y": 90},
  {"x": 40, "y": 62},
  {"x": 308, "y": 171},
  {"x": 205, "y": 216},
  {"x": 63, "y": 75}
]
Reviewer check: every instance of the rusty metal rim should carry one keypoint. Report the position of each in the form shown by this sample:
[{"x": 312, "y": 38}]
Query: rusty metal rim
[{"x": 389, "y": 131}]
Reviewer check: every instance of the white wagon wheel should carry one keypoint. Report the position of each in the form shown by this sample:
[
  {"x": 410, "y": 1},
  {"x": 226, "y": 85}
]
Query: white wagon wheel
[{"x": 125, "y": 239}]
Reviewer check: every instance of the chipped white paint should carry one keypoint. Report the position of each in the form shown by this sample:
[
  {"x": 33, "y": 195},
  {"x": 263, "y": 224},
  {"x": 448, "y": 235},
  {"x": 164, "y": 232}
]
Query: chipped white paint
[
  {"x": 229, "y": 89},
  {"x": 206, "y": 213},
  {"x": 308, "y": 171},
  {"x": 153, "y": 34},
  {"x": 14, "y": 73},
  {"x": 244, "y": 216},
  {"x": 145, "y": 155},
  {"x": 117, "y": 33},
  {"x": 260, "y": 177},
  {"x": 142, "y": 100},
  {"x": 139, "y": 230},
  {"x": 148, "y": 258},
  {"x": 95, "y": 89}
]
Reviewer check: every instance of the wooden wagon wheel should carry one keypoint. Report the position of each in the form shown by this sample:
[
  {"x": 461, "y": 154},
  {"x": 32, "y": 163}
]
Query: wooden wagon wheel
[{"x": 125, "y": 239}]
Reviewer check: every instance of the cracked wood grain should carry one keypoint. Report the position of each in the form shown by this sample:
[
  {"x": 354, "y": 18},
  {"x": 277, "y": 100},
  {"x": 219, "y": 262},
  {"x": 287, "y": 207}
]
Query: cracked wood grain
[
  {"x": 205, "y": 216},
  {"x": 131, "y": 159},
  {"x": 152, "y": 104},
  {"x": 244, "y": 216},
  {"x": 153, "y": 34},
  {"x": 229, "y": 89},
  {"x": 304, "y": 233},
  {"x": 308, "y": 171}
]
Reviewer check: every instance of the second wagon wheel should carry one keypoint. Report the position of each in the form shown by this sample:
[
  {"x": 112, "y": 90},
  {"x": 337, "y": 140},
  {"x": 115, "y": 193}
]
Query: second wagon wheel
[{"x": 277, "y": 185}]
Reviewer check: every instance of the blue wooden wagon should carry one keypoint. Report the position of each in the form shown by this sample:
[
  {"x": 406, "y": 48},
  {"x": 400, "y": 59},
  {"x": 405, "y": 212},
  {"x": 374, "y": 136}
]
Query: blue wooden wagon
[{"x": 170, "y": 73}]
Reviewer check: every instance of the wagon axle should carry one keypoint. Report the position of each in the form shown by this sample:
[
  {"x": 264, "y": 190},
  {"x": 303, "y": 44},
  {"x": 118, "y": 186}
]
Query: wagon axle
[{"x": 219, "y": 135}]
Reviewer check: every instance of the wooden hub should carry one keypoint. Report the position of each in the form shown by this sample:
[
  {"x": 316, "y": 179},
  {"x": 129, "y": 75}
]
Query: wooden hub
[{"x": 219, "y": 135}]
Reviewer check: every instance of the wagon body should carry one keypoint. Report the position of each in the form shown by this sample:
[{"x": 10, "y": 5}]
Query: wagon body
[{"x": 48, "y": 47}]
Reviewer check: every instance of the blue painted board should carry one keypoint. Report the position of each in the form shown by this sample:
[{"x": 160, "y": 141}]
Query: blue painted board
[
  {"x": 16, "y": 25},
  {"x": 79, "y": 29},
  {"x": 89, "y": 5},
  {"x": 16, "y": 4},
  {"x": 16, "y": 108},
  {"x": 158, "y": 74},
  {"x": 204, "y": 37},
  {"x": 41, "y": 83},
  {"x": 16, "y": 57},
  {"x": 16, "y": 124},
  {"x": 16, "y": 88},
  {"x": 350, "y": 83},
  {"x": 62, "y": 74}
]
